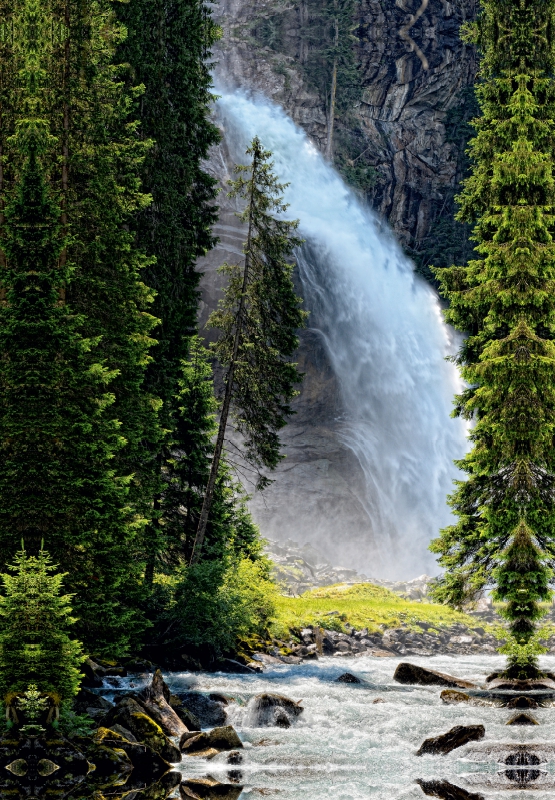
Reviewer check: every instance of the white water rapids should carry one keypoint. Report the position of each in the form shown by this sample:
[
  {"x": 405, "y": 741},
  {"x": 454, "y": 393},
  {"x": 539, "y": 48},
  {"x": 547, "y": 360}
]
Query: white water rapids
[
  {"x": 346, "y": 746},
  {"x": 385, "y": 340}
]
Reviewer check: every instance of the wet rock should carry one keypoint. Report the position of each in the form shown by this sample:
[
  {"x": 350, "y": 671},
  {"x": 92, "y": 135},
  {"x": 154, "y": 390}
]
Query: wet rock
[
  {"x": 452, "y": 697},
  {"x": 87, "y": 702},
  {"x": 209, "y": 789},
  {"x": 522, "y": 719},
  {"x": 155, "y": 699},
  {"x": 131, "y": 716},
  {"x": 521, "y": 686},
  {"x": 413, "y": 674},
  {"x": 209, "y": 712},
  {"x": 123, "y": 732},
  {"x": 224, "y": 738},
  {"x": 93, "y": 674},
  {"x": 191, "y": 722},
  {"x": 456, "y": 737},
  {"x": 148, "y": 765},
  {"x": 235, "y": 757},
  {"x": 348, "y": 677},
  {"x": 378, "y": 700},
  {"x": 232, "y": 666},
  {"x": 273, "y": 710},
  {"x": 522, "y": 702},
  {"x": 446, "y": 790},
  {"x": 161, "y": 789}
]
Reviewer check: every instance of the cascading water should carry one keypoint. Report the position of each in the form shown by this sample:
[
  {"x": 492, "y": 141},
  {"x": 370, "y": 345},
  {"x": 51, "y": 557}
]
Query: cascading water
[{"x": 385, "y": 340}]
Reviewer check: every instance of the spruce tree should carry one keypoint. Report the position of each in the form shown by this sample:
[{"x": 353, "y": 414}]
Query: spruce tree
[
  {"x": 60, "y": 433},
  {"x": 35, "y": 647},
  {"x": 167, "y": 47},
  {"x": 259, "y": 317},
  {"x": 505, "y": 301}
]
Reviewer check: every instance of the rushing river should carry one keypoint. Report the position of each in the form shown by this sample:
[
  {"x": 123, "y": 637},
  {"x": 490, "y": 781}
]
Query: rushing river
[{"x": 347, "y": 744}]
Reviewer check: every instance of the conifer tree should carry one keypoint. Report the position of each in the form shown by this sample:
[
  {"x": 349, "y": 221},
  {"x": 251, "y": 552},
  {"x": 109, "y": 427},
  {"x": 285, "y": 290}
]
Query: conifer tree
[
  {"x": 35, "y": 647},
  {"x": 59, "y": 432},
  {"x": 505, "y": 301},
  {"x": 167, "y": 47},
  {"x": 259, "y": 317}
]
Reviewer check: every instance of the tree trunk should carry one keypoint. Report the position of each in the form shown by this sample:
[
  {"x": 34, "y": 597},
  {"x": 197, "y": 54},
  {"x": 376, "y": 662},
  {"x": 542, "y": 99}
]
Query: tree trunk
[{"x": 209, "y": 494}]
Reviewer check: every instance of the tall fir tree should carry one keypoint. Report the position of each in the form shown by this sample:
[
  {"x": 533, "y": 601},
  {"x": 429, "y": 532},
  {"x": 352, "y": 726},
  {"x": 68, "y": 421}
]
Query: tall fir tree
[
  {"x": 259, "y": 317},
  {"x": 60, "y": 416},
  {"x": 167, "y": 48},
  {"x": 505, "y": 301}
]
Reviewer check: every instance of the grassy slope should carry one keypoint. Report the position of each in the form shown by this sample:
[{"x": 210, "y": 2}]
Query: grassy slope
[{"x": 362, "y": 606}]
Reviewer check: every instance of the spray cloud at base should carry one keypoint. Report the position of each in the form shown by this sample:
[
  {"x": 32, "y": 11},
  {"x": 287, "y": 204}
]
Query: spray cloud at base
[{"x": 381, "y": 328}]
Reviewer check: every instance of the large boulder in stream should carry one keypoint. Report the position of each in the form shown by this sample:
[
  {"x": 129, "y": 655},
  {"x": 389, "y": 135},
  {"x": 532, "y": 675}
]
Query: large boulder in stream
[
  {"x": 273, "y": 710},
  {"x": 155, "y": 699},
  {"x": 414, "y": 674},
  {"x": 456, "y": 737},
  {"x": 209, "y": 789},
  {"x": 225, "y": 738},
  {"x": 207, "y": 711},
  {"x": 131, "y": 716},
  {"x": 446, "y": 790}
]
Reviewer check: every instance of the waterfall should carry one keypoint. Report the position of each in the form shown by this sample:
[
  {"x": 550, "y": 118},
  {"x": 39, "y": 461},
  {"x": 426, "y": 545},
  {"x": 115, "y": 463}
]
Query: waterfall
[{"x": 384, "y": 336}]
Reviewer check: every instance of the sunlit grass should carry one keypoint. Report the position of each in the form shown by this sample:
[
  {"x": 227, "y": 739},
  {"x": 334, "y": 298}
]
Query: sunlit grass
[{"x": 362, "y": 606}]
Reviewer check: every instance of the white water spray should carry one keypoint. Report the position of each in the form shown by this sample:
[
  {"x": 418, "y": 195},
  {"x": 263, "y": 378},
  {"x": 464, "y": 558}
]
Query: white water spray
[{"x": 385, "y": 339}]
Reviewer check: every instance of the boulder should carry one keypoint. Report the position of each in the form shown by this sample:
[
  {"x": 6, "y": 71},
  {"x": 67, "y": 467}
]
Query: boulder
[
  {"x": 208, "y": 712},
  {"x": 209, "y": 789},
  {"x": 87, "y": 702},
  {"x": 521, "y": 686},
  {"x": 191, "y": 722},
  {"x": 148, "y": 765},
  {"x": 93, "y": 674},
  {"x": 123, "y": 732},
  {"x": 348, "y": 677},
  {"x": 224, "y": 738},
  {"x": 272, "y": 710},
  {"x": 522, "y": 719},
  {"x": 456, "y": 737},
  {"x": 522, "y": 702},
  {"x": 160, "y": 790},
  {"x": 452, "y": 697},
  {"x": 446, "y": 790},
  {"x": 154, "y": 699},
  {"x": 413, "y": 674},
  {"x": 131, "y": 716}
]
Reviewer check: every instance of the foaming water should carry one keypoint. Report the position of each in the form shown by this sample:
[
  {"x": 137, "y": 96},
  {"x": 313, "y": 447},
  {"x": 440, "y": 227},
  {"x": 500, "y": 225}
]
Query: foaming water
[
  {"x": 345, "y": 742},
  {"x": 386, "y": 342}
]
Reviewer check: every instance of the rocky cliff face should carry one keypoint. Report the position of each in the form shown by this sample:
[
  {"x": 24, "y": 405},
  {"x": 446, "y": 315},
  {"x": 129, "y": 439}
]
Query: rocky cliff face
[{"x": 400, "y": 83}]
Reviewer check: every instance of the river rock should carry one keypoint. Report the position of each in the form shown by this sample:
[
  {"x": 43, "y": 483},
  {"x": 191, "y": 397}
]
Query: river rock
[
  {"x": 148, "y": 765},
  {"x": 452, "y": 697},
  {"x": 209, "y": 789},
  {"x": 348, "y": 677},
  {"x": 208, "y": 712},
  {"x": 87, "y": 702},
  {"x": 93, "y": 674},
  {"x": 456, "y": 737},
  {"x": 521, "y": 686},
  {"x": 131, "y": 716},
  {"x": 269, "y": 710},
  {"x": 224, "y": 738},
  {"x": 446, "y": 790},
  {"x": 414, "y": 674},
  {"x": 522, "y": 702},
  {"x": 191, "y": 722},
  {"x": 522, "y": 719},
  {"x": 155, "y": 699}
]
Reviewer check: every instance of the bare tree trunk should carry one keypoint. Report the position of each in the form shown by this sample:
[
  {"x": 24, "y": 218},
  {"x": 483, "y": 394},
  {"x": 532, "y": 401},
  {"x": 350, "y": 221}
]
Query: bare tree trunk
[{"x": 209, "y": 494}]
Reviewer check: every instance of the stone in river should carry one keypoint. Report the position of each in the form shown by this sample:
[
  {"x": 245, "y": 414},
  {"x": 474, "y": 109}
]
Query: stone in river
[
  {"x": 224, "y": 738},
  {"x": 411, "y": 673},
  {"x": 522, "y": 719},
  {"x": 273, "y": 710},
  {"x": 456, "y": 737},
  {"x": 208, "y": 712},
  {"x": 522, "y": 702},
  {"x": 446, "y": 790},
  {"x": 208, "y": 789},
  {"x": 348, "y": 677}
]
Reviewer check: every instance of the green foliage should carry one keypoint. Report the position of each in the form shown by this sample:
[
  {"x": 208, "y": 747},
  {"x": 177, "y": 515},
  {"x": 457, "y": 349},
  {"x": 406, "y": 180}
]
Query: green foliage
[
  {"x": 221, "y": 602},
  {"x": 167, "y": 48},
  {"x": 32, "y": 704},
  {"x": 261, "y": 307},
  {"x": 34, "y": 644},
  {"x": 74, "y": 725},
  {"x": 505, "y": 301},
  {"x": 60, "y": 370}
]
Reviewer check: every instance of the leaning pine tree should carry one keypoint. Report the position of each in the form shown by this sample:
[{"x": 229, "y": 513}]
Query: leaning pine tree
[
  {"x": 259, "y": 317},
  {"x": 505, "y": 302}
]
